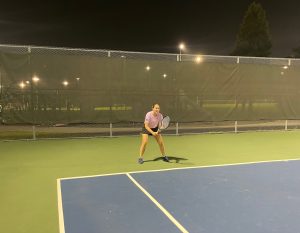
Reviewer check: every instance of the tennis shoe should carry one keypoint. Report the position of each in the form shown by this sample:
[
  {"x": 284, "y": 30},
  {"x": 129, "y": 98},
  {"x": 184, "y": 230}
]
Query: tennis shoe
[
  {"x": 140, "y": 161},
  {"x": 166, "y": 159}
]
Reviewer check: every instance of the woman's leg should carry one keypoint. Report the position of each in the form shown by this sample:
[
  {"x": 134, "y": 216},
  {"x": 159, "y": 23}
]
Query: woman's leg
[
  {"x": 143, "y": 144},
  {"x": 160, "y": 142}
]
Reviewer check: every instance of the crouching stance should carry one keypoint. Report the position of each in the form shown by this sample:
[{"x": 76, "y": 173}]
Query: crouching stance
[{"x": 151, "y": 127}]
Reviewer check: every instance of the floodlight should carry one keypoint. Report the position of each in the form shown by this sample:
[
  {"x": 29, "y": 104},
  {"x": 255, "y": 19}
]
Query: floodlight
[{"x": 65, "y": 83}]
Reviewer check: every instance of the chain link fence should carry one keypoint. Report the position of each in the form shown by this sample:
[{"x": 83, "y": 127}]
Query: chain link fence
[{"x": 48, "y": 92}]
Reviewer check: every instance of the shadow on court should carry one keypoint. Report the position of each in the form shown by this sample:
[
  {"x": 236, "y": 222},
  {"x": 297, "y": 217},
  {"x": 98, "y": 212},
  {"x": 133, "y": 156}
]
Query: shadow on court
[{"x": 172, "y": 159}]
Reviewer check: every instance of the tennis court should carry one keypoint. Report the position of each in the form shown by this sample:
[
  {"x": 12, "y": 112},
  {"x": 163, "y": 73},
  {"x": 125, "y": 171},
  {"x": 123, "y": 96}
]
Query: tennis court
[
  {"x": 256, "y": 197},
  {"x": 30, "y": 169},
  {"x": 50, "y": 97}
]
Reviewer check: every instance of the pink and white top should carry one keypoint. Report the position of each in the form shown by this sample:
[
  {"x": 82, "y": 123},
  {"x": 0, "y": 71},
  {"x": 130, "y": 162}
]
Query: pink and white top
[{"x": 153, "y": 120}]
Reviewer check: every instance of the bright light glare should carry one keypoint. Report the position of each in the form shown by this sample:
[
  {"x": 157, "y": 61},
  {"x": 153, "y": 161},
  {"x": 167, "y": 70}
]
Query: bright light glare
[
  {"x": 285, "y": 67},
  {"x": 148, "y": 68},
  {"x": 198, "y": 59},
  {"x": 181, "y": 46},
  {"x": 22, "y": 85},
  {"x": 35, "y": 79},
  {"x": 65, "y": 83},
  {"x": 165, "y": 75}
]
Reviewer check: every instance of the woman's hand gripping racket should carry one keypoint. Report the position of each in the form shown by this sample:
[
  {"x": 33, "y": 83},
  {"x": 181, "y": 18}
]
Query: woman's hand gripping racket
[{"x": 164, "y": 124}]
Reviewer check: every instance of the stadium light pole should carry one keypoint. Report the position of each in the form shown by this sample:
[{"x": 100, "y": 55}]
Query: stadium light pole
[
  {"x": 35, "y": 80},
  {"x": 22, "y": 85},
  {"x": 148, "y": 68},
  {"x": 77, "y": 82},
  {"x": 78, "y": 96},
  {"x": 181, "y": 48},
  {"x": 66, "y": 84}
]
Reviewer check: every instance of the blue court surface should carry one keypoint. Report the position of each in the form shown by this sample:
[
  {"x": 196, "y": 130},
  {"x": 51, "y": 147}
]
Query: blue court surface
[{"x": 244, "y": 198}]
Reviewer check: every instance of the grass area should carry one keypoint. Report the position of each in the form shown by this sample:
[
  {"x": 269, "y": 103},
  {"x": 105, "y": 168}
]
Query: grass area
[
  {"x": 233, "y": 105},
  {"x": 15, "y": 135},
  {"x": 29, "y": 169},
  {"x": 28, "y": 135},
  {"x": 263, "y": 110},
  {"x": 7, "y": 135}
]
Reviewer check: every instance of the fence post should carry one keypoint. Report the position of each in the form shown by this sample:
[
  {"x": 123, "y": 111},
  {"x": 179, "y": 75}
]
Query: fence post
[
  {"x": 110, "y": 129},
  {"x": 177, "y": 129},
  {"x": 286, "y": 125},
  {"x": 235, "y": 126},
  {"x": 33, "y": 133}
]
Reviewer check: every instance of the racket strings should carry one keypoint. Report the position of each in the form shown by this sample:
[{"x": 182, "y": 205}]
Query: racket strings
[{"x": 165, "y": 123}]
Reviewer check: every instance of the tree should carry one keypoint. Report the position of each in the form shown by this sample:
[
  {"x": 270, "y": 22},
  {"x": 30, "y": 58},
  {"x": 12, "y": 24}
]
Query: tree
[{"x": 254, "y": 38}]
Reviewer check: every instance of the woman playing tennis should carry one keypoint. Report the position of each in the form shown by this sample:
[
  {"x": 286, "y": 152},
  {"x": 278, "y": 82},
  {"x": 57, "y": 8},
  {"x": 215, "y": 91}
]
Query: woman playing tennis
[{"x": 151, "y": 125}]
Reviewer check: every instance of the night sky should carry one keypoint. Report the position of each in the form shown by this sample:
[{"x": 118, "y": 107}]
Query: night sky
[{"x": 206, "y": 27}]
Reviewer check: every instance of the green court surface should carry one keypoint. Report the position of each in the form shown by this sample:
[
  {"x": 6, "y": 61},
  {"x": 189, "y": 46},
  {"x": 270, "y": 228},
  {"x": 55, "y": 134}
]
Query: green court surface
[{"x": 29, "y": 169}]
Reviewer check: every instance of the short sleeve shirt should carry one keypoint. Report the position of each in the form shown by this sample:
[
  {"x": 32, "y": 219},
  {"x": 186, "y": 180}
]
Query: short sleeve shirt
[{"x": 153, "y": 120}]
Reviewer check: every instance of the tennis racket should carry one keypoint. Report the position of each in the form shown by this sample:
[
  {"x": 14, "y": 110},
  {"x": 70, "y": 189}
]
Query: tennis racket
[{"x": 164, "y": 123}]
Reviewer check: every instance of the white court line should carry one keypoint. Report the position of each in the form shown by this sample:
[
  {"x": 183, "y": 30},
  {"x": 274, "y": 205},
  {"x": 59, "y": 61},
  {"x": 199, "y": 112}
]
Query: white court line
[
  {"x": 60, "y": 208},
  {"x": 167, "y": 213},
  {"x": 181, "y": 168}
]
